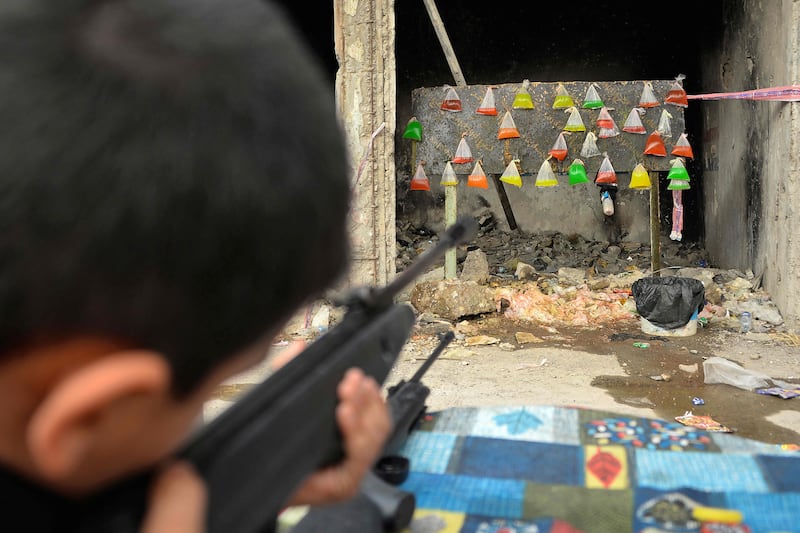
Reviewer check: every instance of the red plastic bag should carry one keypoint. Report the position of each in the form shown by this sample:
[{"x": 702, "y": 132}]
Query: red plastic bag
[
  {"x": 463, "y": 153},
  {"x": 451, "y": 102},
  {"x": 682, "y": 147},
  {"x": 606, "y": 174},
  {"x": 677, "y": 95},
  {"x": 633, "y": 124},
  {"x": 487, "y": 106}
]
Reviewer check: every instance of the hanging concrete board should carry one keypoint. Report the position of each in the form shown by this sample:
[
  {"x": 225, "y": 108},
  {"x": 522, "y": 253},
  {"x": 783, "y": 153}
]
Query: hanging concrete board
[{"x": 539, "y": 127}]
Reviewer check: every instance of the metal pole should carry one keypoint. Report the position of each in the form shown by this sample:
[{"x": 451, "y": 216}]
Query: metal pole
[{"x": 655, "y": 225}]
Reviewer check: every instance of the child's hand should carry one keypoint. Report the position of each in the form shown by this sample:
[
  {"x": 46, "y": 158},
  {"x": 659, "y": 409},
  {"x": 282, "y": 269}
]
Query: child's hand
[
  {"x": 365, "y": 423},
  {"x": 177, "y": 502}
]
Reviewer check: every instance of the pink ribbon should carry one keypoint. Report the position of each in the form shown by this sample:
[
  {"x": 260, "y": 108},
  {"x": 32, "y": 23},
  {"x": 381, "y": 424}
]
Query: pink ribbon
[{"x": 790, "y": 93}]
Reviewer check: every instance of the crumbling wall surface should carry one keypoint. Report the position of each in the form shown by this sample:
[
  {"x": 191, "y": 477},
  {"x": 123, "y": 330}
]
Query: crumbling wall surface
[
  {"x": 364, "y": 35},
  {"x": 752, "y": 193}
]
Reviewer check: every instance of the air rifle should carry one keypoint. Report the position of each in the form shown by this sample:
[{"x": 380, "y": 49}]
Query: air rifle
[
  {"x": 379, "y": 506},
  {"x": 257, "y": 453}
]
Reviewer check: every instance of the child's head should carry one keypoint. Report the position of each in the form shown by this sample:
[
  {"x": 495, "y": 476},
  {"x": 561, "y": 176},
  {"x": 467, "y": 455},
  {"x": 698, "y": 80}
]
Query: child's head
[{"x": 172, "y": 178}]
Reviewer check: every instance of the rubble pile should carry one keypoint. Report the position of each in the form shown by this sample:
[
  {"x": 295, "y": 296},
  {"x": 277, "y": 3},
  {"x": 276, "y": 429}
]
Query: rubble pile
[{"x": 551, "y": 278}]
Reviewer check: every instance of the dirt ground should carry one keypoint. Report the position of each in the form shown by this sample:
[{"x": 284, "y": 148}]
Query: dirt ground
[{"x": 601, "y": 368}]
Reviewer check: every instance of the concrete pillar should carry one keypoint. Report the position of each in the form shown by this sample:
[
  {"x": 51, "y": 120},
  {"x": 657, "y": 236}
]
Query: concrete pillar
[{"x": 364, "y": 34}]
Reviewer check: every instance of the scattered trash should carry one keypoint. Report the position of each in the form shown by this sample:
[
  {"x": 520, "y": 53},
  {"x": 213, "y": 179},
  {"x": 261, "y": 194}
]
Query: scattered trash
[
  {"x": 689, "y": 369},
  {"x": 702, "y": 422},
  {"x": 698, "y": 401},
  {"x": 643, "y": 345},
  {"x": 785, "y": 393},
  {"x": 721, "y": 370},
  {"x": 661, "y": 377},
  {"x": 746, "y": 321}
]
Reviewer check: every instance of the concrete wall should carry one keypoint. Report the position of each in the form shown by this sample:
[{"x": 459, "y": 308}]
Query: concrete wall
[
  {"x": 751, "y": 174},
  {"x": 365, "y": 92}
]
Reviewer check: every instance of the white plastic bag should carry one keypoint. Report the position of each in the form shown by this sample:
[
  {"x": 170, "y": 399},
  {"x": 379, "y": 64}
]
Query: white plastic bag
[{"x": 721, "y": 370}]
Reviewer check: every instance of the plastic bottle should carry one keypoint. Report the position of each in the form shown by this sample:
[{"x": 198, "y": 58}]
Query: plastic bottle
[
  {"x": 746, "y": 321},
  {"x": 608, "y": 203}
]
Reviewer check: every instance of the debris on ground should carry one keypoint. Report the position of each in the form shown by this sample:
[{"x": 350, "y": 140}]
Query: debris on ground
[{"x": 702, "y": 422}]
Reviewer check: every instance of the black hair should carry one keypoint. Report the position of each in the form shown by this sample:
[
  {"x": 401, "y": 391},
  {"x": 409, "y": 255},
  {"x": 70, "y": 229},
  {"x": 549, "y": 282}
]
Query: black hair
[{"x": 172, "y": 173}]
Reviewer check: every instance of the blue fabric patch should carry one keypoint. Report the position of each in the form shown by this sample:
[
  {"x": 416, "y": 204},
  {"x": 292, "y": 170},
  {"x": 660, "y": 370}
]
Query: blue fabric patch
[
  {"x": 500, "y": 498},
  {"x": 782, "y": 472},
  {"x": 428, "y": 452},
  {"x": 767, "y": 513},
  {"x": 538, "y": 462},
  {"x": 714, "y": 472}
]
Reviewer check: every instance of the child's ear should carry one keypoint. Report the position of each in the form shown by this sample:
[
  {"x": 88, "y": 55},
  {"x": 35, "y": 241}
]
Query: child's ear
[{"x": 67, "y": 423}]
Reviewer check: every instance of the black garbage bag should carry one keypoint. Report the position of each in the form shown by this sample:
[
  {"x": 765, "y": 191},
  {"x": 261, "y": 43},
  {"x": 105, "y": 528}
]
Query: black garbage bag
[{"x": 668, "y": 302}]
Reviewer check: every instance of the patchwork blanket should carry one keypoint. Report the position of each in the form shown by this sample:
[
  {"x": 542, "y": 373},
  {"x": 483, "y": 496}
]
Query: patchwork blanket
[{"x": 548, "y": 469}]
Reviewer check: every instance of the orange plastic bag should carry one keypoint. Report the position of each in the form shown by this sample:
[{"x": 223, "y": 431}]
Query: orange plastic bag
[
  {"x": 682, "y": 147},
  {"x": 633, "y": 124},
  {"x": 487, "y": 106},
  {"x": 677, "y": 95},
  {"x": 655, "y": 145},
  {"x": 420, "y": 181},
  {"x": 463, "y": 153},
  {"x": 606, "y": 174},
  {"x": 478, "y": 177},
  {"x": 508, "y": 129}
]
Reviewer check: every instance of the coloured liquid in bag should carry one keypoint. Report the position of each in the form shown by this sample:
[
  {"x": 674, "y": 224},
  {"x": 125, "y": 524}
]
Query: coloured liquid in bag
[
  {"x": 640, "y": 179},
  {"x": 682, "y": 147},
  {"x": 508, "y": 129},
  {"x": 604, "y": 120},
  {"x": 648, "y": 97},
  {"x": 678, "y": 171},
  {"x": 511, "y": 175},
  {"x": 420, "y": 180},
  {"x": 451, "y": 102},
  {"x": 655, "y": 145},
  {"x": 546, "y": 176},
  {"x": 522, "y": 98},
  {"x": 677, "y": 97},
  {"x": 606, "y": 174},
  {"x": 478, "y": 177},
  {"x": 678, "y": 185},
  {"x": 463, "y": 153},
  {"x": 633, "y": 124},
  {"x": 449, "y": 175},
  {"x": 577, "y": 173},
  {"x": 487, "y": 106},
  {"x": 413, "y": 130},
  {"x": 563, "y": 99},
  {"x": 574, "y": 122},
  {"x": 559, "y": 149},
  {"x": 592, "y": 99}
]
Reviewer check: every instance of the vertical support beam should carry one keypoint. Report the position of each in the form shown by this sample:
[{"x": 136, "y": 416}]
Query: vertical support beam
[
  {"x": 450, "y": 217},
  {"x": 451, "y": 194},
  {"x": 655, "y": 224},
  {"x": 444, "y": 41},
  {"x": 364, "y": 39}
]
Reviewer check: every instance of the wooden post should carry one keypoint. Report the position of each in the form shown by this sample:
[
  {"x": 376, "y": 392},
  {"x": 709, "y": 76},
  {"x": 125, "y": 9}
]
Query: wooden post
[
  {"x": 450, "y": 217},
  {"x": 655, "y": 224},
  {"x": 450, "y": 191}
]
